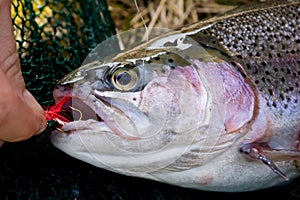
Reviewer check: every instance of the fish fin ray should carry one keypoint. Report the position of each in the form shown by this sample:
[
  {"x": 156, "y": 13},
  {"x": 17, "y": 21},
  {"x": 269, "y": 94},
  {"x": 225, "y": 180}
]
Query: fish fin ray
[{"x": 264, "y": 153}]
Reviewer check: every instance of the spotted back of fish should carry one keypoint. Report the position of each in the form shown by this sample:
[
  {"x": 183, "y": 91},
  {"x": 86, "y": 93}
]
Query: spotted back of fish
[{"x": 265, "y": 41}]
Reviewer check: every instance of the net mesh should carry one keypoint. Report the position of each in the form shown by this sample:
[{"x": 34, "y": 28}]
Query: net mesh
[{"x": 53, "y": 38}]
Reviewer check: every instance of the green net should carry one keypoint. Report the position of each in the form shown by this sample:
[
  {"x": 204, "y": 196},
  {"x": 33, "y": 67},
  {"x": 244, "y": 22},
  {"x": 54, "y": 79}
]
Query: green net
[{"x": 53, "y": 37}]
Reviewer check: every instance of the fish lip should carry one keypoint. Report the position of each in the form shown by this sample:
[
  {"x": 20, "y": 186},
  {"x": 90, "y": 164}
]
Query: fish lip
[
  {"x": 76, "y": 125},
  {"x": 68, "y": 110},
  {"x": 71, "y": 107}
]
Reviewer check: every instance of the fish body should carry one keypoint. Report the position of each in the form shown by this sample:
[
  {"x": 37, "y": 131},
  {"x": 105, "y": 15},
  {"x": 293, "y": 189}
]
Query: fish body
[{"x": 211, "y": 106}]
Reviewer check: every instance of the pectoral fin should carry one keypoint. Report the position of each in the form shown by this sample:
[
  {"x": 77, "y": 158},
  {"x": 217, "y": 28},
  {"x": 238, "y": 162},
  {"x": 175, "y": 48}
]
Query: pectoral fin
[{"x": 267, "y": 155}]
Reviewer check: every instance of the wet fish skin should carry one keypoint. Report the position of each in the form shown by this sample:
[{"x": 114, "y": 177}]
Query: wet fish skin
[
  {"x": 268, "y": 50},
  {"x": 263, "y": 42},
  {"x": 267, "y": 53},
  {"x": 256, "y": 50}
]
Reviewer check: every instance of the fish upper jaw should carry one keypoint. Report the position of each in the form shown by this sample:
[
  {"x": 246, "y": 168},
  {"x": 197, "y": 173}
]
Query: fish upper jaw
[{"x": 121, "y": 115}]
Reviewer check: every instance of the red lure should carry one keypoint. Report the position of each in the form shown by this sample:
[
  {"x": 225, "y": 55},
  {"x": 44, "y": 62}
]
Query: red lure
[{"x": 54, "y": 112}]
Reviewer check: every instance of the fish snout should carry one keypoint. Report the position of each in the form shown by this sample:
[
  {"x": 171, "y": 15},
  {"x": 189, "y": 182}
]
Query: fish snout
[{"x": 60, "y": 91}]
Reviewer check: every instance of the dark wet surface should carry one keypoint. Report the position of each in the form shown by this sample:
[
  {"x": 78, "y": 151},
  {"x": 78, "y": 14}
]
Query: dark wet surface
[{"x": 34, "y": 169}]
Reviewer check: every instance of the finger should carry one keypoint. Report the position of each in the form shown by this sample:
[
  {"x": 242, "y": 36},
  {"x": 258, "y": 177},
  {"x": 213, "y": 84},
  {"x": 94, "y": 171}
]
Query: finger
[
  {"x": 40, "y": 121},
  {"x": 7, "y": 39},
  {"x": 18, "y": 121},
  {"x": 1, "y": 143},
  {"x": 9, "y": 58}
]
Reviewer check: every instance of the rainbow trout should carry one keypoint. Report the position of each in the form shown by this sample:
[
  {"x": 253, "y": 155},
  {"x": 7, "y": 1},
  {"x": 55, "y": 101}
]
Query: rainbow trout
[{"x": 212, "y": 106}]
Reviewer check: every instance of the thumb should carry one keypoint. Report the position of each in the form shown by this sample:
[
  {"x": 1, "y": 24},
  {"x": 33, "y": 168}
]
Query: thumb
[
  {"x": 1, "y": 142},
  {"x": 41, "y": 122}
]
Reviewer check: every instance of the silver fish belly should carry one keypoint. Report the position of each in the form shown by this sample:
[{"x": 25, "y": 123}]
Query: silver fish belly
[{"x": 212, "y": 106}]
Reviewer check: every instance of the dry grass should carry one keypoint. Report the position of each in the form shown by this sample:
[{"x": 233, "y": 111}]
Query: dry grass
[{"x": 167, "y": 13}]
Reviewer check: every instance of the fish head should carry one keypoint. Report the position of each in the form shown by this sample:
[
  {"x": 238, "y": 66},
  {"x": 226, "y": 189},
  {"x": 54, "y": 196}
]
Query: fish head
[
  {"x": 133, "y": 107},
  {"x": 145, "y": 110}
]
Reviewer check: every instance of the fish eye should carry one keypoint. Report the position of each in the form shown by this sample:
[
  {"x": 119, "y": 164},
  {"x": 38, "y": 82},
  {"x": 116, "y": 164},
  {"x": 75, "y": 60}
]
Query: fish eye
[{"x": 125, "y": 79}]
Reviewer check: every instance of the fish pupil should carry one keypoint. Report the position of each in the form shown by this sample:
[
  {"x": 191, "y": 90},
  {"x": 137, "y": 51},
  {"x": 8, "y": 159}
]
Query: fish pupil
[{"x": 123, "y": 78}]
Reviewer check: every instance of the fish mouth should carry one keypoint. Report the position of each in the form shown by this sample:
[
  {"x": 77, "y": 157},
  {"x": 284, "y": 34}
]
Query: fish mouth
[
  {"x": 73, "y": 113},
  {"x": 69, "y": 109}
]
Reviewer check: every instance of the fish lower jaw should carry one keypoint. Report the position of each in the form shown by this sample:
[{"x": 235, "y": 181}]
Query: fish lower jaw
[
  {"x": 91, "y": 125},
  {"x": 76, "y": 126}
]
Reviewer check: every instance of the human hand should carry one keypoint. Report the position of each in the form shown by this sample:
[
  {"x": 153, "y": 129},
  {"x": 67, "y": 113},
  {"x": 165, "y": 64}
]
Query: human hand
[{"x": 21, "y": 115}]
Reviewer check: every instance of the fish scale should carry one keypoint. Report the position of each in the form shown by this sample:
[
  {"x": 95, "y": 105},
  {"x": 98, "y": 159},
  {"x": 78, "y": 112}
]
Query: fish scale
[{"x": 267, "y": 45}]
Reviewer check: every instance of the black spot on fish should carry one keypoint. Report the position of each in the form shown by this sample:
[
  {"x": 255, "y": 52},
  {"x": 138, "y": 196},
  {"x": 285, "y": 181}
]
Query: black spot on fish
[
  {"x": 248, "y": 66},
  {"x": 233, "y": 64},
  {"x": 281, "y": 97},
  {"x": 270, "y": 55},
  {"x": 270, "y": 92},
  {"x": 294, "y": 74},
  {"x": 240, "y": 56},
  {"x": 268, "y": 48},
  {"x": 224, "y": 53}
]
